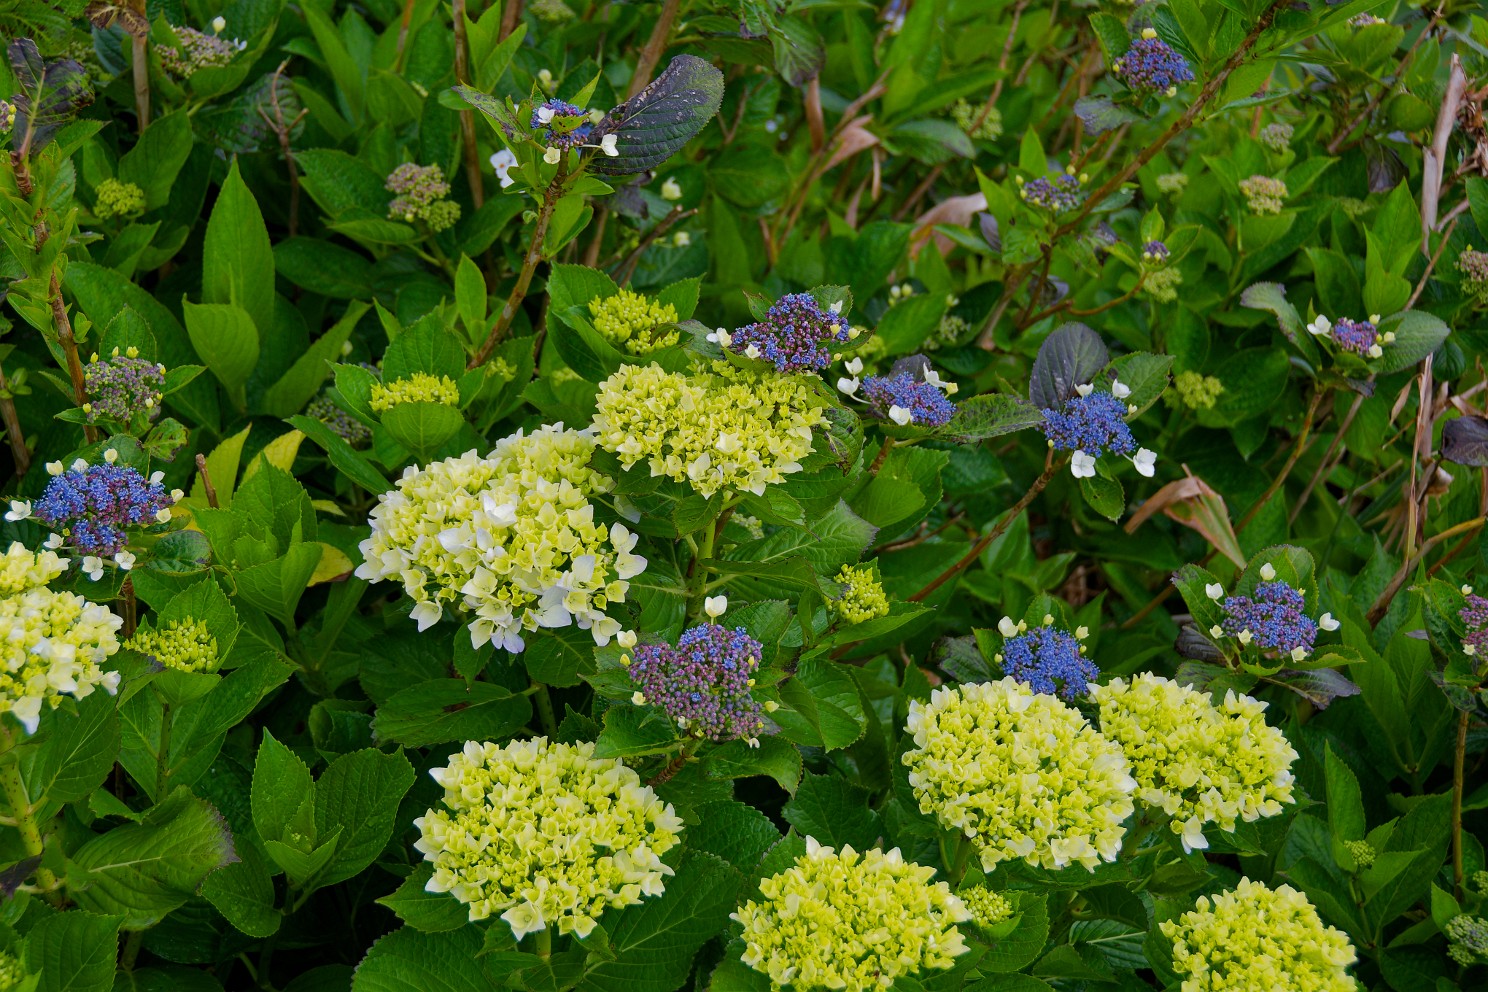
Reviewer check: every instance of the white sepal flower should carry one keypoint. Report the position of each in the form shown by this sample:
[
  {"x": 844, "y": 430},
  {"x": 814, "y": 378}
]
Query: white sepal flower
[
  {"x": 1327, "y": 622},
  {"x": 1320, "y": 327},
  {"x": 1007, "y": 628},
  {"x": 20, "y": 509},
  {"x": 720, "y": 337},
  {"x": 545, "y": 115},
  {"x": 124, "y": 559},
  {"x": 93, "y": 567},
  {"x": 626, "y": 639},
  {"x": 1268, "y": 571},
  {"x": 55, "y": 468},
  {"x": 853, "y": 365},
  {"x": 608, "y": 144},
  {"x": 219, "y": 24},
  {"x": 1082, "y": 466},
  {"x": 847, "y": 386},
  {"x": 1214, "y": 590},
  {"x": 111, "y": 455},
  {"x": 671, "y": 190},
  {"x": 553, "y": 155},
  {"x": 503, "y": 162},
  {"x": 638, "y": 698},
  {"x": 1085, "y": 390},
  {"x": 426, "y": 615},
  {"x": 715, "y": 606},
  {"x": 1119, "y": 389},
  {"x": 1146, "y": 462},
  {"x": 900, "y": 415}
]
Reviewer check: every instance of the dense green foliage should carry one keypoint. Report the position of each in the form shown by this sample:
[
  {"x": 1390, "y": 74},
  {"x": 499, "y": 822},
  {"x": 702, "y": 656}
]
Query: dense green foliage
[{"x": 737, "y": 495}]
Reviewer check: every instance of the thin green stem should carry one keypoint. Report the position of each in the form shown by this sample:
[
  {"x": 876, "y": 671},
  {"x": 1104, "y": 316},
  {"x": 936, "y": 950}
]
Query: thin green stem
[
  {"x": 545, "y": 709},
  {"x": 21, "y": 809},
  {"x": 542, "y": 943}
]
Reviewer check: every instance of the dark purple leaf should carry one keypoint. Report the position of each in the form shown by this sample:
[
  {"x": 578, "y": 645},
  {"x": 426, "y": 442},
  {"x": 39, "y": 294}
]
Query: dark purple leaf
[
  {"x": 1100, "y": 115},
  {"x": 658, "y": 121},
  {"x": 990, "y": 234},
  {"x": 1069, "y": 357},
  {"x": 50, "y": 92},
  {"x": 1213, "y": 679},
  {"x": 12, "y": 877},
  {"x": 1194, "y": 644},
  {"x": 1384, "y": 166},
  {"x": 1465, "y": 441},
  {"x": 961, "y": 659},
  {"x": 1319, "y": 687}
]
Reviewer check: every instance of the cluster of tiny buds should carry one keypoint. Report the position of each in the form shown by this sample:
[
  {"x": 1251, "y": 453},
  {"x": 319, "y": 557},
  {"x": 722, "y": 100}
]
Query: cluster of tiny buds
[
  {"x": 1061, "y": 194},
  {"x": 1155, "y": 253},
  {"x": 903, "y": 291},
  {"x": 1246, "y": 636}
]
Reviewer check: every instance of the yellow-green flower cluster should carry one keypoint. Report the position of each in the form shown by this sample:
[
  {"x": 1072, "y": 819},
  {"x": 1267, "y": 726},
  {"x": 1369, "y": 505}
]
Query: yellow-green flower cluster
[
  {"x": 1253, "y": 937},
  {"x": 185, "y": 645},
  {"x": 862, "y": 596},
  {"x": 51, "y": 643},
  {"x": 1263, "y": 194},
  {"x": 1196, "y": 390},
  {"x": 988, "y": 906},
  {"x": 965, "y": 115},
  {"x": 116, "y": 199},
  {"x": 721, "y": 429},
  {"x": 1197, "y": 762},
  {"x": 1172, "y": 183},
  {"x": 850, "y": 921},
  {"x": 545, "y": 834},
  {"x": 626, "y": 321},
  {"x": 1362, "y": 852},
  {"x": 1019, "y": 773},
  {"x": 12, "y": 972},
  {"x": 1162, "y": 284},
  {"x": 420, "y": 387},
  {"x": 510, "y": 538}
]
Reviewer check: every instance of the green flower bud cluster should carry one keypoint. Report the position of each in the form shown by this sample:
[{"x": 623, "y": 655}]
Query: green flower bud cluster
[
  {"x": 1162, "y": 284},
  {"x": 1195, "y": 390},
  {"x": 965, "y": 116},
  {"x": 12, "y": 972},
  {"x": 1362, "y": 853},
  {"x": 862, "y": 596},
  {"x": 627, "y": 320},
  {"x": 1263, "y": 194},
  {"x": 421, "y": 387},
  {"x": 1172, "y": 183},
  {"x": 988, "y": 906},
  {"x": 1472, "y": 265},
  {"x": 116, "y": 199},
  {"x": 185, "y": 645},
  {"x": 1468, "y": 936},
  {"x": 422, "y": 193}
]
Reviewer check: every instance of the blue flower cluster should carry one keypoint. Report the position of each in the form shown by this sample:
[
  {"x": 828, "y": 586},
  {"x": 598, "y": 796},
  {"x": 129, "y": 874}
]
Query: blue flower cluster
[
  {"x": 793, "y": 336},
  {"x": 1272, "y": 618},
  {"x": 1049, "y": 661},
  {"x": 1155, "y": 253},
  {"x": 704, "y": 682},
  {"x": 1094, "y": 424},
  {"x": 1063, "y": 193},
  {"x": 1151, "y": 66},
  {"x": 560, "y": 123},
  {"x": 913, "y": 401},
  {"x": 1358, "y": 336},
  {"x": 92, "y": 505}
]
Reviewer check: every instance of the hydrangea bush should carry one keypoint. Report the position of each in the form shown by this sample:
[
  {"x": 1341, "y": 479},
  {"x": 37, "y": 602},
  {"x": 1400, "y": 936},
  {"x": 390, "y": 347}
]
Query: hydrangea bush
[{"x": 684, "y": 496}]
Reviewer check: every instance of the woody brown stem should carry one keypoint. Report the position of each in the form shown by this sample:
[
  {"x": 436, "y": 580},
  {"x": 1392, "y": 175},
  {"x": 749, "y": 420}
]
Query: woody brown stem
[
  {"x": 655, "y": 45},
  {"x": 467, "y": 116},
  {"x": 206, "y": 478},
  {"x": 13, "y": 433}
]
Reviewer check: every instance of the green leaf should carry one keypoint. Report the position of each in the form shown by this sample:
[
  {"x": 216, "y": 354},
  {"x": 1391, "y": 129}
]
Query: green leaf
[
  {"x": 73, "y": 952},
  {"x": 1105, "y": 496},
  {"x": 142, "y": 871},
  {"x": 276, "y": 586},
  {"x": 225, "y": 337},
  {"x": 904, "y": 327},
  {"x": 299, "y": 385},
  {"x": 408, "y": 960},
  {"x": 237, "y": 258},
  {"x": 825, "y": 709},
  {"x": 775, "y": 757},
  {"x": 74, "y": 757},
  {"x": 423, "y": 428},
  {"x": 360, "y": 792},
  {"x": 1345, "y": 803},
  {"x": 283, "y": 793},
  {"x": 156, "y": 158},
  {"x": 442, "y": 710},
  {"x": 633, "y": 731},
  {"x": 243, "y": 892},
  {"x": 1069, "y": 357},
  {"x": 431, "y": 912},
  {"x": 1026, "y": 941},
  {"x": 735, "y": 832},
  {"x": 1417, "y": 334},
  {"x": 663, "y": 117},
  {"x": 324, "y": 267},
  {"x": 991, "y": 415},
  {"x": 470, "y": 298},
  {"x": 343, "y": 456},
  {"x": 425, "y": 347},
  {"x": 834, "y": 811}
]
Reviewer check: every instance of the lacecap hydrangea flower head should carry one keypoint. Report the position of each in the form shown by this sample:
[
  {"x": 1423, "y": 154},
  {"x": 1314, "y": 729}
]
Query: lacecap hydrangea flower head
[
  {"x": 93, "y": 506},
  {"x": 1152, "y": 66},
  {"x": 1198, "y": 762},
  {"x": 1272, "y": 618},
  {"x": 1064, "y": 192},
  {"x": 1020, "y": 774},
  {"x": 1362, "y": 337},
  {"x": 51, "y": 643},
  {"x": 545, "y": 834},
  {"x": 1253, "y": 937},
  {"x": 1093, "y": 422},
  {"x": 422, "y": 195},
  {"x": 794, "y": 335},
  {"x": 723, "y": 428},
  {"x": 1047, "y": 658},
  {"x": 123, "y": 388},
  {"x": 509, "y": 539},
  {"x": 851, "y": 921},
  {"x": 703, "y": 683}
]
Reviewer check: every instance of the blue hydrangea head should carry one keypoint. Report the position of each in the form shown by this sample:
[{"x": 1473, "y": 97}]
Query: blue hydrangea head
[
  {"x": 1094, "y": 423},
  {"x": 560, "y": 124},
  {"x": 704, "y": 682},
  {"x": 1274, "y": 617},
  {"x": 1357, "y": 336},
  {"x": 793, "y": 336},
  {"x": 1049, "y": 661},
  {"x": 906, "y": 400},
  {"x": 1155, "y": 253},
  {"x": 1152, "y": 66},
  {"x": 1064, "y": 192},
  {"x": 92, "y": 506}
]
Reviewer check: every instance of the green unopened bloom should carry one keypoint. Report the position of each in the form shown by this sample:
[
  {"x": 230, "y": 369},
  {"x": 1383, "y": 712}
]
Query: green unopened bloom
[
  {"x": 545, "y": 834},
  {"x": 862, "y": 596},
  {"x": 422, "y": 192},
  {"x": 1472, "y": 265},
  {"x": 12, "y": 972},
  {"x": 965, "y": 116},
  {"x": 1019, "y": 773},
  {"x": 629, "y": 320},
  {"x": 1172, "y": 183},
  {"x": 1198, "y": 762},
  {"x": 850, "y": 921},
  {"x": 1253, "y": 937},
  {"x": 1468, "y": 936},
  {"x": 1263, "y": 194},
  {"x": 185, "y": 645},
  {"x": 1363, "y": 854},
  {"x": 1196, "y": 390},
  {"x": 116, "y": 199},
  {"x": 988, "y": 906},
  {"x": 1162, "y": 284},
  {"x": 420, "y": 387}
]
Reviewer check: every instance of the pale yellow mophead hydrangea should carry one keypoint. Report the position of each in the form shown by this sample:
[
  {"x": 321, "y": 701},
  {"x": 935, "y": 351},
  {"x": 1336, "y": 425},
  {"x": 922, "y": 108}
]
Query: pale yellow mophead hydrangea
[
  {"x": 1020, "y": 774},
  {"x": 185, "y": 645},
  {"x": 51, "y": 643},
  {"x": 1197, "y": 762},
  {"x": 850, "y": 921},
  {"x": 726, "y": 428},
  {"x": 509, "y": 539},
  {"x": 862, "y": 598},
  {"x": 1253, "y": 937},
  {"x": 545, "y": 834},
  {"x": 420, "y": 387},
  {"x": 627, "y": 320}
]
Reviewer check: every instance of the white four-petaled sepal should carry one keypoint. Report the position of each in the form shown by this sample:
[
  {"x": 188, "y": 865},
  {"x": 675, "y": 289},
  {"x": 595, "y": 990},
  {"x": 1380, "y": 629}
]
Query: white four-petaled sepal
[
  {"x": 219, "y": 24},
  {"x": 20, "y": 509},
  {"x": 1298, "y": 653},
  {"x": 1082, "y": 466},
  {"x": 111, "y": 455},
  {"x": 1119, "y": 389},
  {"x": 93, "y": 567},
  {"x": 553, "y": 155},
  {"x": 638, "y": 698},
  {"x": 609, "y": 145},
  {"x": 545, "y": 115},
  {"x": 1268, "y": 571},
  {"x": 1214, "y": 590},
  {"x": 847, "y": 386},
  {"x": 1375, "y": 351},
  {"x": 626, "y": 639},
  {"x": 720, "y": 337},
  {"x": 503, "y": 162},
  {"x": 752, "y": 352},
  {"x": 900, "y": 415},
  {"x": 426, "y": 615},
  {"x": 1146, "y": 462},
  {"x": 124, "y": 559},
  {"x": 836, "y": 308},
  {"x": 1085, "y": 390},
  {"x": 1326, "y": 622},
  {"x": 854, "y": 365},
  {"x": 715, "y": 606},
  {"x": 55, "y": 468},
  {"x": 1320, "y": 327},
  {"x": 1007, "y": 628},
  {"x": 671, "y": 190}
]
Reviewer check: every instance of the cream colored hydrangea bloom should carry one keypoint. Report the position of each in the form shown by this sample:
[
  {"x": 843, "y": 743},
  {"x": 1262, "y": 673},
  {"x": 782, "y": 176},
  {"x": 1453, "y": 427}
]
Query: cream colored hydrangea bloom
[
  {"x": 1253, "y": 937},
  {"x": 1019, "y": 773},
  {"x": 510, "y": 539},
  {"x": 51, "y": 643},
  {"x": 722, "y": 429},
  {"x": 844, "y": 920},
  {"x": 1197, "y": 762},
  {"x": 545, "y": 834}
]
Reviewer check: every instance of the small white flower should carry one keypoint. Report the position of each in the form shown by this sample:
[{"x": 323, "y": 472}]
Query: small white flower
[
  {"x": 853, "y": 365},
  {"x": 1146, "y": 462},
  {"x": 720, "y": 337},
  {"x": 1375, "y": 351},
  {"x": 55, "y": 468},
  {"x": 1007, "y": 628},
  {"x": 163, "y": 515},
  {"x": 545, "y": 115},
  {"x": 1374, "y": 318},
  {"x": 503, "y": 162},
  {"x": 93, "y": 567},
  {"x": 900, "y": 415},
  {"x": 715, "y": 606},
  {"x": 177, "y": 495},
  {"x": 1081, "y": 633},
  {"x": 1246, "y": 637},
  {"x": 1388, "y": 337},
  {"x": 847, "y": 386},
  {"x": 53, "y": 542},
  {"x": 752, "y": 742},
  {"x": 626, "y": 639},
  {"x": 771, "y": 706},
  {"x": 933, "y": 377},
  {"x": 1467, "y": 590},
  {"x": 681, "y": 239},
  {"x": 727, "y": 443},
  {"x": 1298, "y": 653},
  {"x": 638, "y": 698},
  {"x": 835, "y": 308},
  {"x": 1326, "y": 622},
  {"x": 671, "y": 190},
  {"x": 553, "y": 155},
  {"x": 1214, "y": 590},
  {"x": 608, "y": 144},
  {"x": 1082, "y": 465},
  {"x": 124, "y": 560},
  {"x": 1268, "y": 571},
  {"x": 1193, "y": 835},
  {"x": 1216, "y": 631},
  {"x": 79, "y": 465},
  {"x": 1085, "y": 390},
  {"x": 752, "y": 352},
  {"x": 20, "y": 509},
  {"x": 1119, "y": 389},
  {"x": 219, "y": 23},
  {"x": 1048, "y": 619},
  {"x": 426, "y": 615},
  {"x": 1469, "y": 649},
  {"x": 1320, "y": 327},
  {"x": 111, "y": 455}
]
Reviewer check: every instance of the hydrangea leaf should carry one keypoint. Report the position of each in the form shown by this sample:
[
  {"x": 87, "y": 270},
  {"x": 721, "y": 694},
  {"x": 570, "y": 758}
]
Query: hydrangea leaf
[
  {"x": 1069, "y": 357},
  {"x": 658, "y": 121}
]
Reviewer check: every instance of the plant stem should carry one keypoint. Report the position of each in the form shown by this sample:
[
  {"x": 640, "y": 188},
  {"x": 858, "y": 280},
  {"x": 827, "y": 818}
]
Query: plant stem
[
  {"x": 542, "y": 943},
  {"x": 467, "y": 116},
  {"x": 551, "y": 196},
  {"x": 1286, "y": 469},
  {"x": 70, "y": 351},
  {"x": 1002, "y": 525},
  {"x": 545, "y": 709},
  {"x": 207, "y": 487},
  {"x": 140, "y": 56},
  {"x": 13, "y": 432},
  {"x": 655, "y": 45},
  {"x": 131, "y": 950},
  {"x": 21, "y": 809},
  {"x": 1459, "y": 762},
  {"x": 510, "y": 14}
]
